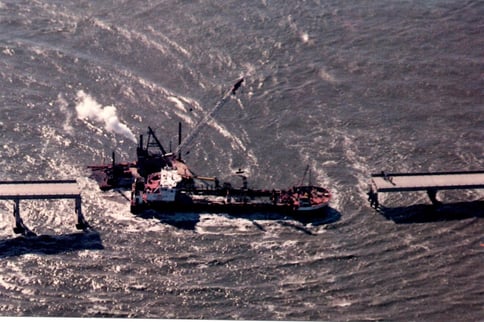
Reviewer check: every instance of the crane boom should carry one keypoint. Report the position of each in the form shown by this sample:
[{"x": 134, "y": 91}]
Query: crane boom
[{"x": 187, "y": 140}]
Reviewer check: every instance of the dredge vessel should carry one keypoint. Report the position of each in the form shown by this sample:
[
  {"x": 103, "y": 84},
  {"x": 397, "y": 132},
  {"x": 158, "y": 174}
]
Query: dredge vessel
[{"x": 162, "y": 181}]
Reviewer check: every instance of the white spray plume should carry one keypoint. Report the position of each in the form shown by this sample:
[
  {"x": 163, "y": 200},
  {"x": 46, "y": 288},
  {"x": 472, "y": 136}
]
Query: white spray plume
[
  {"x": 64, "y": 108},
  {"x": 87, "y": 107}
]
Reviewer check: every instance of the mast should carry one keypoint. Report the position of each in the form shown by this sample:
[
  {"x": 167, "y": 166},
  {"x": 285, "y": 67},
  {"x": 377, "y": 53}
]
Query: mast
[
  {"x": 304, "y": 176},
  {"x": 157, "y": 143}
]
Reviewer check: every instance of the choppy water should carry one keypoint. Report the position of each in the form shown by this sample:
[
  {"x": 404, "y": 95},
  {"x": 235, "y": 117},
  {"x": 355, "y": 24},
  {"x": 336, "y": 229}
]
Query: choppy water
[{"x": 348, "y": 87}]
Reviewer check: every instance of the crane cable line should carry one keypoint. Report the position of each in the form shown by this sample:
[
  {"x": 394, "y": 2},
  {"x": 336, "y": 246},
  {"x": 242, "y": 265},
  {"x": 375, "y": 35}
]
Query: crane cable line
[{"x": 187, "y": 140}]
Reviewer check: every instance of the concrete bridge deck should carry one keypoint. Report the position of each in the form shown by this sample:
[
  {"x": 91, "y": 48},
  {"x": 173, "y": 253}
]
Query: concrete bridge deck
[
  {"x": 52, "y": 189},
  {"x": 424, "y": 181}
]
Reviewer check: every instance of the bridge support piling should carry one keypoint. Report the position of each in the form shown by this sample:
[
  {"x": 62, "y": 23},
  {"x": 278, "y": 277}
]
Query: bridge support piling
[
  {"x": 432, "y": 193},
  {"x": 20, "y": 227},
  {"x": 81, "y": 222}
]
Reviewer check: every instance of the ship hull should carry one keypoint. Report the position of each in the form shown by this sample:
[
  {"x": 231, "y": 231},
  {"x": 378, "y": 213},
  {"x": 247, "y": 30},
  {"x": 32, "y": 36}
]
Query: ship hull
[{"x": 231, "y": 208}]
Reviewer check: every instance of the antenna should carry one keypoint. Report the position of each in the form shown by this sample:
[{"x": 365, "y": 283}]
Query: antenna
[{"x": 304, "y": 175}]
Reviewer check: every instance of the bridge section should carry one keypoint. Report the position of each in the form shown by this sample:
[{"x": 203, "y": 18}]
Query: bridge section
[
  {"x": 431, "y": 182},
  {"x": 45, "y": 189}
]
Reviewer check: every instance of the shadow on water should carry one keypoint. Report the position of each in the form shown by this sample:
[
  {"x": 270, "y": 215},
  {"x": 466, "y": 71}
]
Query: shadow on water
[
  {"x": 50, "y": 244},
  {"x": 433, "y": 213},
  {"x": 189, "y": 220}
]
